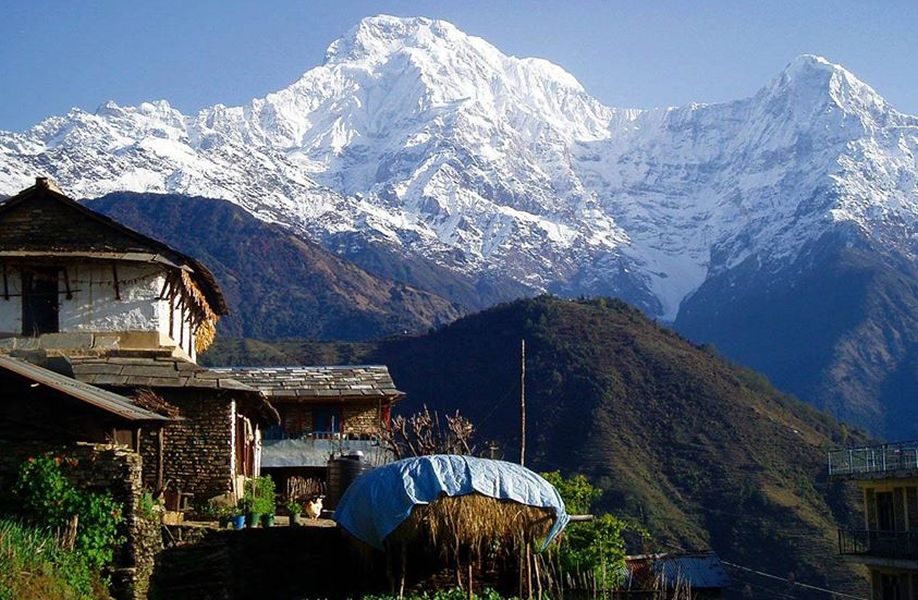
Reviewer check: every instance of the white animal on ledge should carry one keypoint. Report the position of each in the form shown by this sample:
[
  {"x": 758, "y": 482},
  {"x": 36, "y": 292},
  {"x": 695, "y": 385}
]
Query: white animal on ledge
[{"x": 314, "y": 507}]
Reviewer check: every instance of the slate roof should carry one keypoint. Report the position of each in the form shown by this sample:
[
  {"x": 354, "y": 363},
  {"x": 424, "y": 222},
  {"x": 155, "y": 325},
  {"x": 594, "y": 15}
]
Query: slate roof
[
  {"x": 88, "y": 394},
  {"x": 153, "y": 371},
  {"x": 319, "y": 383}
]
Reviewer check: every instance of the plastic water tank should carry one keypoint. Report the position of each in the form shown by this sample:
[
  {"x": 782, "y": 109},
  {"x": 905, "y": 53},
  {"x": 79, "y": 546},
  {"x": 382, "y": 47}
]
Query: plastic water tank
[{"x": 342, "y": 471}]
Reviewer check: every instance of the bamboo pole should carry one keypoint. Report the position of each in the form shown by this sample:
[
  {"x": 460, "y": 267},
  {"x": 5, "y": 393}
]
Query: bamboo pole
[{"x": 523, "y": 402}]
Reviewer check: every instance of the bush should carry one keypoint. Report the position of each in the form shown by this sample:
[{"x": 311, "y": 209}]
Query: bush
[
  {"x": 258, "y": 496},
  {"x": 148, "y": 507},
  {"x": 596, "y": 546},
  {"x": 577, "y": 492},
  {"x": 34, "y": 566},
  {"x": 47, "y": 499}
]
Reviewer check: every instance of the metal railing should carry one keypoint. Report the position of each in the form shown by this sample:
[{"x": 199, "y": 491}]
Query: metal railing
[
  {"x": 882, "y": 544},
  {"x": 884, "y": 458}
]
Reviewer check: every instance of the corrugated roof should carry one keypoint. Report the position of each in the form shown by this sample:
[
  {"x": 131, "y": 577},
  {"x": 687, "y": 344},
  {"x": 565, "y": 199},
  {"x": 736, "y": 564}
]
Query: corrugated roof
[
  {"x": 103, "y": 399},
  {"x": 318, "y": 383},
  {"x": 701, "y": 570}
]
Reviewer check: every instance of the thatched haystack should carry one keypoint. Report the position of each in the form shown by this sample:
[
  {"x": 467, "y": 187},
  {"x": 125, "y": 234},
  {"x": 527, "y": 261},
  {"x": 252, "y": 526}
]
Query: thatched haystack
[{"x": 474, "y": 523}]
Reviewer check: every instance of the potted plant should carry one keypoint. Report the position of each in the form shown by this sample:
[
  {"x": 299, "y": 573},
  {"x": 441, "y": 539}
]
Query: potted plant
[
  {"x": 259, "y": 498},
  {"x": 247, "y": 508},
  {"x": 294, "y": 508},
  {"x": 264, "y": 506},
  {"x": 264, "y": 500},
  {"x": 211, "y": 511},
  {"x": 238, "y": 520}
]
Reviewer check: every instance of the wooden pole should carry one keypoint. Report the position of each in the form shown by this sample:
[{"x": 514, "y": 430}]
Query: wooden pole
[
  {"x": 401, "y": 585},
  {"x": 538, "y": 575},
  {"x": 528, "y": 572},
  {"x": 523, "y": 402}
]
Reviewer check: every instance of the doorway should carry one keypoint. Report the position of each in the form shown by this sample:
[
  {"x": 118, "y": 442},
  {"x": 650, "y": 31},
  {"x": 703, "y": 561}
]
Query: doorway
[{"x": 40, "y": 301}]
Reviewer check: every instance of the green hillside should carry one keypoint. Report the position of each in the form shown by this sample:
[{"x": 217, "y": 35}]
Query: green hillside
[{"x": 705, "y": 453}]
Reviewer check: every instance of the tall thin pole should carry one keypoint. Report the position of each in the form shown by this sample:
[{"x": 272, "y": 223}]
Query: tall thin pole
[{"x": 523, "y": 402}]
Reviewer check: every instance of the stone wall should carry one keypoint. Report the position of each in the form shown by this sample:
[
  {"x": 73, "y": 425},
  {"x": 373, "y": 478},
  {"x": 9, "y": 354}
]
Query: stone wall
[
  {"x": 361, "y": 419},
  {"x": 198, "y": 450},
  {"x": 117, "y": 470}
]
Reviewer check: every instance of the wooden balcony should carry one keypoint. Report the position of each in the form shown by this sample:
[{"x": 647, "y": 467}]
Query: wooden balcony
[{"x": 884, "y": 461}]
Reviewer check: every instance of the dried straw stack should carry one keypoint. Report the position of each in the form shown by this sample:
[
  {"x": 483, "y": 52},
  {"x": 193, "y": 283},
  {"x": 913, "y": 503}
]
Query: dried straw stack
[{"x": 474, "y": 522}]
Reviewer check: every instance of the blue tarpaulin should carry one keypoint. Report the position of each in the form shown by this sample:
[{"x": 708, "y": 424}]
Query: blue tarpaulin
[{"x": 377, "y": 502}]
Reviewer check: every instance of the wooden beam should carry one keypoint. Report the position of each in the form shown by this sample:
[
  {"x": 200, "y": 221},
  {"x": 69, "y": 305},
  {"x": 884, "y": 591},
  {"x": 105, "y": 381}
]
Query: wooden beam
[
  {"x": 159, "y": 458},
  {"x": 69, "y": 292},
  {"x": 117, "y": 283}
]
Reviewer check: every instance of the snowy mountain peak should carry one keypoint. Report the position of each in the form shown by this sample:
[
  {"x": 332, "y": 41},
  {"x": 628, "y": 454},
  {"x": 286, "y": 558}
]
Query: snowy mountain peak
[
  {"x": 375, "y": 38},
  {"x": 432, "y": 142},
  {"x": 823, "y": 83}
]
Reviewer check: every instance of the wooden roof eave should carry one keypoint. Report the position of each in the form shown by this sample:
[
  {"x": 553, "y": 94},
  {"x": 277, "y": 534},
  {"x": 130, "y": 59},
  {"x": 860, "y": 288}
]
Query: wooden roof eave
[{"x": 256, "y": 404}]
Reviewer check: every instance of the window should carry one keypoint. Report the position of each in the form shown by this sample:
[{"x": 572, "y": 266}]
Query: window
[
  {"x": 40, "y": 301},
  {"x": 327, "y": 419},
  {"x": 885, "y": 511}
]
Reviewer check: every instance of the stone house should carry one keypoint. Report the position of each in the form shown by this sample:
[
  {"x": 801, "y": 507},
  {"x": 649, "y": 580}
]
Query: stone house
[
  {"x": 97, "y": 302},
  {"x": 43, "y": 411},
  {"x": 324, "y": 411}
]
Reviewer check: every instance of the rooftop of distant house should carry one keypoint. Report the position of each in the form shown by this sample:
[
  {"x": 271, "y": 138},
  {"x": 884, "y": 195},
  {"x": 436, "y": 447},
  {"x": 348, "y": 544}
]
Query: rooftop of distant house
[{"x": 318, "y": 382}]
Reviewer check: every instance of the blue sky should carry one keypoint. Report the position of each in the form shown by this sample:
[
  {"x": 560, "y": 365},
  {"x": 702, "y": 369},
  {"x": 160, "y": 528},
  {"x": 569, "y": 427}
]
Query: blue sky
[{"x": 55, "y": 55}]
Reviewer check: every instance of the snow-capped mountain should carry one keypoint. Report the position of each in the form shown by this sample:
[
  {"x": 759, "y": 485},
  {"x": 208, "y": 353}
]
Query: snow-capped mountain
[{"x": 417, "y": 136}]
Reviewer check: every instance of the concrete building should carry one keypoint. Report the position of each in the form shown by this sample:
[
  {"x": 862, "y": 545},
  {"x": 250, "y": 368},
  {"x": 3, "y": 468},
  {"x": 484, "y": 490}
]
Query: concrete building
[{"x": 887, "y": 543}]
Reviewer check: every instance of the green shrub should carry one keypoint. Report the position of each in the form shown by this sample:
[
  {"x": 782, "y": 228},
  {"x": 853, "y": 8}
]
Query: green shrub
[
  {"x": 147, "y": 507},
  {"x": 47, "y": 499},
  {"x": 596, "y": 546},
  {"x": 258, "y": 495},
  {"x": 212, "y": 511},
  {"x": 34, "y": 566},
  {"x": 577, "y": 492}
]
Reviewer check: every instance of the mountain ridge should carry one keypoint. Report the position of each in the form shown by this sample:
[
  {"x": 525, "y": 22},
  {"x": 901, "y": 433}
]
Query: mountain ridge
[
  {"x": 302, "y": 290},
  {"x": 414, "y": 134},
  {"x": 427, "y": 156}
]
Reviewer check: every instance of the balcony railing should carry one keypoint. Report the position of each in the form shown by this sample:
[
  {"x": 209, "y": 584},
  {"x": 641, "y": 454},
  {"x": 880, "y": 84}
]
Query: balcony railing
[
  {"x": 885, "y": 458},
  {"x": 902, "y": 545}
]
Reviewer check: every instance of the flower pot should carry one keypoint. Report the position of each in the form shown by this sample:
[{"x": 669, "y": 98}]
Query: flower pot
[
  {"x": 295, "y": 520},
  {"x": 238, "y": 521},
  {"x": 267, "y": 520},
  {"x": 224, "y": 522},
  {"x": 253, "y": 519}
]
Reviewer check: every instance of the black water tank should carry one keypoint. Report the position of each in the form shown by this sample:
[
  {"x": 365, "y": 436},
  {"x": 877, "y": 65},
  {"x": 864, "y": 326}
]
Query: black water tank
[{"x": 342, "y": 471}]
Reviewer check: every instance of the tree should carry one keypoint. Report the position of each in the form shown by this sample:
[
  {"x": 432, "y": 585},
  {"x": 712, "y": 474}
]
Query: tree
[{"x": 593, "y": 547}]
